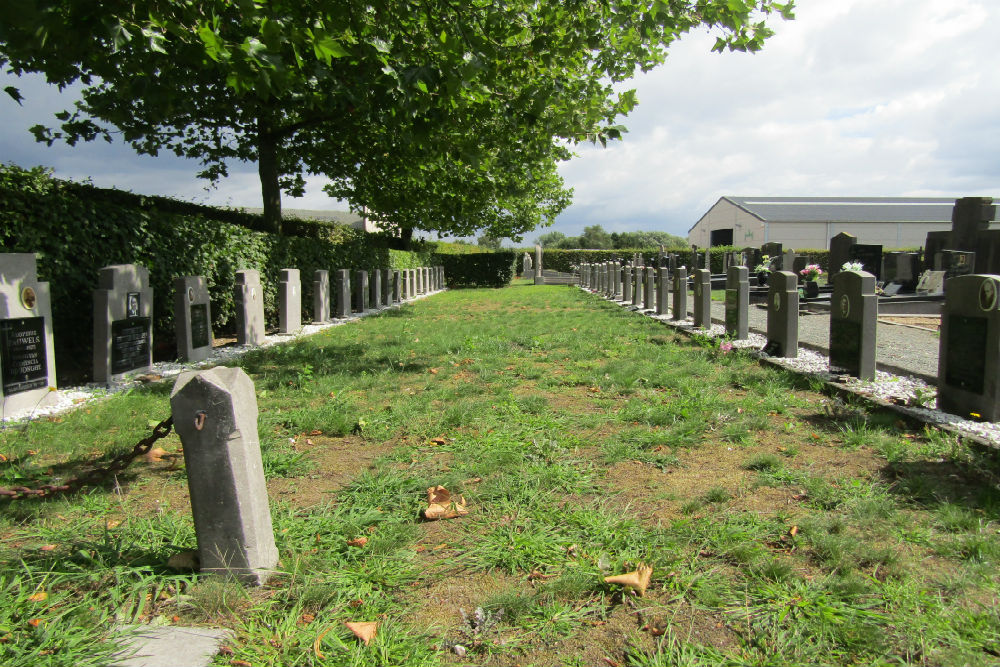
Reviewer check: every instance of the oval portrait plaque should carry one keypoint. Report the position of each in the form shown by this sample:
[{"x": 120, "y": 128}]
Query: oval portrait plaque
[
  {"x": 28, "y": 298},
  {"x": 845, "y": 305},
  {"x": 987, "y": 295}
]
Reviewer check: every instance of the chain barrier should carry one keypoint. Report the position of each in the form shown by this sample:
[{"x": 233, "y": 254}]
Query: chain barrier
[{"x": 98, "y": 474}]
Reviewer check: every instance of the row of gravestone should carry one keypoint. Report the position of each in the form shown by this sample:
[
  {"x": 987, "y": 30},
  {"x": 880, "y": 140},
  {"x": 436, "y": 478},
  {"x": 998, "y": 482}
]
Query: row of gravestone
[
  {"x": 968, "y": 349},
  {"x": 123, "y": 307}
]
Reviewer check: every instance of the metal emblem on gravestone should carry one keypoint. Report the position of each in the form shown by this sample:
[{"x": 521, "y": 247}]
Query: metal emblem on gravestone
[
  {"x": 777, "y": 301},
  {"x": 28, "y": 298},
  {"x": 845, "y": 305},
  {"x": 132, "y": 304},
  {"x": 987, "y": 295},
  {"x": 191, "y": 294}
]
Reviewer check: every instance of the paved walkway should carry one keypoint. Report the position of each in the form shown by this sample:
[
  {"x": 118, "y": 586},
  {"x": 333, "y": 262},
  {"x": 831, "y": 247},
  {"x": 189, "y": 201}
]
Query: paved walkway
[{"x": 899, "y": 348}]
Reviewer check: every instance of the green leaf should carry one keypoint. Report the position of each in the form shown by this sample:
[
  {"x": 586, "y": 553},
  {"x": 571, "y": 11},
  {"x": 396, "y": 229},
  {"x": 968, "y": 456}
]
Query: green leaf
[{"x": 327, "y": 48}]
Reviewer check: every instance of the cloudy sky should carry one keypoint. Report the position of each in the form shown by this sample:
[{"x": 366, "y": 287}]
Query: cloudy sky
[{"x": 854, "y": 97}]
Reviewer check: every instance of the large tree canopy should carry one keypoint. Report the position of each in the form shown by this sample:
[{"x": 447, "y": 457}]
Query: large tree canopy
[{"x": 439, "y": 115}]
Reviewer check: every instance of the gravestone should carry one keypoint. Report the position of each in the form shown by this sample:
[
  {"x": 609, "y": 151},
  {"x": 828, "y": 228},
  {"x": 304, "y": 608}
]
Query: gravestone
[
  {"x": 840, "y": 252},
  {"x": 703, "y": 299},
  {"x": 788, "y": 261},
  {"x": 361, "y": 291},
  {"x": 680, "y": 294},
  {"x": 215, "y": 415},
  {"x": 539, "y": 278},
  {"x": 799, "y": 263},
  {"x": 931, "y": 282},
  {"x": 411, "y": 283},
  {"x": 738, "y": 302},
  {"x": 935, "y": 243},
  {"x": 637, "y": 276},
  {"x": 249, "y": 298},
  {"x": 902, "y": 269},
  {"x": 123, "y": 322},
  {"x": 853, "y": 324},
  {"x": 782, "y": 315},
  {"x": 192, "y": 318},
  {"x": 870, "y": 256},
  {"x": 627, "y": 285},
  {"x": 27, "y": 356},
  {"x": 289, "y": 302},
  {"x": 694, "y": 258},
  {"x": 397, "y": 286},
  {"x": 708, "y": 259},
  {"x": 527, "y": 268},
  {"x": 649, "y": 293},
  {"x": 321, "y": 296},
  {"x": 671, "y": 262},
  {"x": 375, "y": 288},
  {"x": 618, "y": 281},
  {"x": 955, "y": 263},
  {"x": 772, "y": 250},
  {"x": 753, "y": 256},
  {"x": 663, "y": 291},
  {"x": 386, "y": 287},
  {"x": 988, "y": 252},
  {"x": 968, "y": 363},
  {"x": 970, "y": 216},
  {"x": 343, "y": 293}
]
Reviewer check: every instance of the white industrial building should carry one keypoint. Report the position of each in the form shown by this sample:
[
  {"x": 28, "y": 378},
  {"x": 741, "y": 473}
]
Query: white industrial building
[{"x": 810, "y": 222}]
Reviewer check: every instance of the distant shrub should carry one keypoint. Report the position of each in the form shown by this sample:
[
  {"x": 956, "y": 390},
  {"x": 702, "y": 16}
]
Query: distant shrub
[{"x": 483, "y": 269}]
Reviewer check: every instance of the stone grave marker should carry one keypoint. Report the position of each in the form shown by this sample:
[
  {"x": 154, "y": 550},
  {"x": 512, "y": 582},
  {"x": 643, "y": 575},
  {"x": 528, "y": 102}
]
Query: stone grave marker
[
  {"x": 970, "y": 216},
  {"x": 215, "y": 415},
  {"x": 738, "y": 302},
  {"x": 627, "y": 284},
  {"x": 708, "y": 259},
  {"x": 968, "y": 363},
  {"x": 703, "y": 298},
  {"x": 783, "y": 315},
  {"x": 361, "y": 291},
  {"x": 321, "y": 296},
  {"x": 649, "y": 293},
  {"x": 27, "y": 355},
  {"x": 637, "y": 274},
  {"x": 123, "y": 322},
  {"x": 386, "y": 287},
  {"x": 663, "y": 291},
  {"x": 799, "y": 263},
  {"x": 935, "y": 243},
  {"x": 955, "y": 262},
  {"x": 527, "y": 268},
  {"x": 343, "y": 293},
  {"x": 539, "y": 278},
  {"x": 249, "y": 297},
  {"x": 397, "y": 286},
  {"x": 870, "y": 256},
  {"x": 289, "y": 302},
  {"x": 192, "y": 318},
  {"x": 788, "y": 261},
  {"x": 840, "y": 252},
  {"x": 680, "y": 294},
  {"x": 853, "y": 324},
  {"x": 772, "y": 250},
  {"x": 375, "y": 289},
  {"x": 931, "y": 282}
]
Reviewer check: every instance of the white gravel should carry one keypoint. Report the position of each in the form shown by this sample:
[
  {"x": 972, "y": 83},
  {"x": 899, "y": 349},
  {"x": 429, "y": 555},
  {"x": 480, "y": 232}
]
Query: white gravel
[
  {"x": 68, "y": 398},
  {"x": 909, "y": 394}
]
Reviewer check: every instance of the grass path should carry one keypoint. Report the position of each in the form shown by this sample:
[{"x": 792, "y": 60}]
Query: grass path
[{"x": 783, "y": 527}]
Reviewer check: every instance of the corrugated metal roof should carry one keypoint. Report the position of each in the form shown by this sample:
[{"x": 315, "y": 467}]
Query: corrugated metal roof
[{"x": 848, "y": 209}]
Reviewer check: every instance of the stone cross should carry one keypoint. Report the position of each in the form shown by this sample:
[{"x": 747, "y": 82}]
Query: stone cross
[
  {"x": 703, "y": 298},
  {"x": 321, "y": 296},
  {"x": 969, "y": 348},
  {"x": 783, "y": 315},
  {"x": 123, "y": 322},
  {"x": 738, "y": 302},
  {"x": 192, "y": 318},
  {"x": 539, "y": 279},
  {"x": 680, "y": 304},
  {"x": 343, "y": 293},
  {"x": 853, "y": 323},
  {"x": 289, "y": 302},
  {"x": 215, "y": 415},
  {"x": 27, "y": 356},
  {"x": 249, "y": 298}
]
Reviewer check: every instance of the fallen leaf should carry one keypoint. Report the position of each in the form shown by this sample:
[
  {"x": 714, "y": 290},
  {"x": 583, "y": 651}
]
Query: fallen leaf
[
  {"x": 354, "y": 604},
  {"x": 226, "y": 650},
  {"x": 316, "y": 432},
  {"x": 3, "y": 459},
  {"x": 40, "y": 596},
  {"x": 240, "y": 663},
  {"x": 358, "y": 542},
  {"x": 185, "y": 560},
  {"x": 636, "y": 581},
  {"x": 438, "y": 441},
  {"x": 611, "y": 663},
  {"x": 309, "y": 441},
  {"x": 48, "y": 547},
  {"x": 433, "y": 371},
  {"x": 148, "y": 377},
  {"x": 154, "y": 455},
  {"x": 35, "y": 622},
  {"x": 440, "y": 504},
  {"x": 793, "y": 531},
  {"x": 305, "y": 619},
  {"x": 365, "y": 630},
  {"x": 112, "y": 524}
]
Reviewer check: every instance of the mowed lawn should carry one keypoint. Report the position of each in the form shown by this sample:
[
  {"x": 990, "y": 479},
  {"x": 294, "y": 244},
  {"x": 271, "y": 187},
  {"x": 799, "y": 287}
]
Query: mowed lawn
[{"x": 782, "y": 526}]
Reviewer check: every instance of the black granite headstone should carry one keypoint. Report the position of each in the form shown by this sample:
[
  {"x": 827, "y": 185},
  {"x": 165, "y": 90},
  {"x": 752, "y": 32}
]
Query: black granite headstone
[
  {"x": 22, "y": 354},
  {"x": 129, "y": 344},
  {"x": 870, "y": 256}
]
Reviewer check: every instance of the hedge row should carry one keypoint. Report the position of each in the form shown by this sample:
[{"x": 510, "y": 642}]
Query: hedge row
[
  {"x": 484, "y": 269},
  {"x": 77, "y": 229}
]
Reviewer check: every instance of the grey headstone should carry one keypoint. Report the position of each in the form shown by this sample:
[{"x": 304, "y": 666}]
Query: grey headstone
[
  {"x": 663, "y": 291},
  {"x": 680, "y": 281},
  {"x": 853, "y": 324},
  {"x": 361, "y": 291},
  {"x": 123, "y": 322},
  {"x": 738, "y": 302},
  {"x": 289, "y": 302},
  {"x": 627, "y": 285},
  {"x": 397, "y": 286},
  {"x": 782, "y": 315},
  {"x": 192, "y": 318},
  {"x": 527, "y": 268},
  {"x": 935, "y": 243},
  {"x": 321, "y": 296},
  {"x": 343, "y": 293},
  {"x": 539, "y": 279},
  {"x": 902, "y": 268},
  {"x": 649, "y": 293},
  {"x": 27, "y": 356},
  {"x": 703, "y": 299},
  {"x": 215, "y": 415},
  {"x": 772, "y": 250},
  {"x": 799, "y": 263},
  {"x": 170, "y": 646},
  {"x": 637, "y": 277},
  {"x": 708, "y": 259},
  {"x": 249, "y": 298},
  {"x": 375, "y": 288},
  {"x": 788, "y": 261},
  {"x": 870, "y": 256},
  {"x": 969, "y": 348},
  {"x": 931, "y": 282}
]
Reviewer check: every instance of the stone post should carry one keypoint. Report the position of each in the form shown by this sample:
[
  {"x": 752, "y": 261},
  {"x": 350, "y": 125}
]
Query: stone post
[
  {"x": 627, "y": 284},
  {"x": 249, "y": 297},
  {"x": 617, "y": 273},
  {"x": 738, "y": 302},
  {"x": 123, "y": 322},
  {"x": 539, "y": 278},
  {"x": 853, "y": 323},
  {"x": 375, "y": 289},
  {"x": 680, "y": 305},
  {"x": 397, "y": 286},
  {"x": 321, "y": 296},
  {"x": 638, "y": 273},
  {"x": 361, "y": 291},
  {"x": 649, "y": 294},
  {"x": 289, "y": 302},
  {"x": 192, "y": 318},
  {"x": 783, "y": 315},
  {"x": 343, "y": 293},
  {"x": 662, "y": 291},
  {"x": 215, "y": 415},
  {"x": 703, "y": 299},
  {"x": 386, "y": 287}
]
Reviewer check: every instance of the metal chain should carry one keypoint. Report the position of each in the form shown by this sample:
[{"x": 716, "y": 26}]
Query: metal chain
[{"x": 98, "y": 474}]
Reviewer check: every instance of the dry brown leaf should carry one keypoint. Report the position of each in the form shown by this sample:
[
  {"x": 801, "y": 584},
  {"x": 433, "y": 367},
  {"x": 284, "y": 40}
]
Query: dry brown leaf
[
  {"x": 793, "y": 531},
  {"x": 316, "y": 432},
  {"x": 433, "y": 371},
  {"x": 358, "y": 542},
  {"x": 154, "y": 455},
  {"x": 365, "y": 630},
  {"x": 636, "y": 581},
  {"x": 40, "y": 596},
  {"x": 34, "y": 622},
  {"x": 438, "y": 441},
  {"x": 354, "y": 604},
  {"x": 440, "y": 504},
  {"x": 240, "y": 663},
  {"x": 3, "y": 459},
  {"x": 48, "y": 547}
]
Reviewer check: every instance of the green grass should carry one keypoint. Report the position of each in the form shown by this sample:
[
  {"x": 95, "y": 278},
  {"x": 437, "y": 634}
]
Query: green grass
[{"x": 782, "y": 527}]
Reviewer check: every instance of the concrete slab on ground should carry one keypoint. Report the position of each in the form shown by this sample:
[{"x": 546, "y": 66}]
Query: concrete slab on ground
[{"x": 171, "y": 646}]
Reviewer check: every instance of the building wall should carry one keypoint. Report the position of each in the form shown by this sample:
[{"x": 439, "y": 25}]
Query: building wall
[{"x": 748, "y": 230}]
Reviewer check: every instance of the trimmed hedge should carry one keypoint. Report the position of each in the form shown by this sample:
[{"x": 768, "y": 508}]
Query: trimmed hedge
[
  {"x": 482, "y": 269},
  {"x": 77, "y": 229}
]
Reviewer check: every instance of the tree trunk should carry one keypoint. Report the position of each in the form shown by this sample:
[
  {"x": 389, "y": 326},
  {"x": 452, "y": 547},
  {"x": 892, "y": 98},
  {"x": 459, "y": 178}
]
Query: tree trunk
[
  {"x": 267, "y": 167},
  {"x": 405, "y": 237}
]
